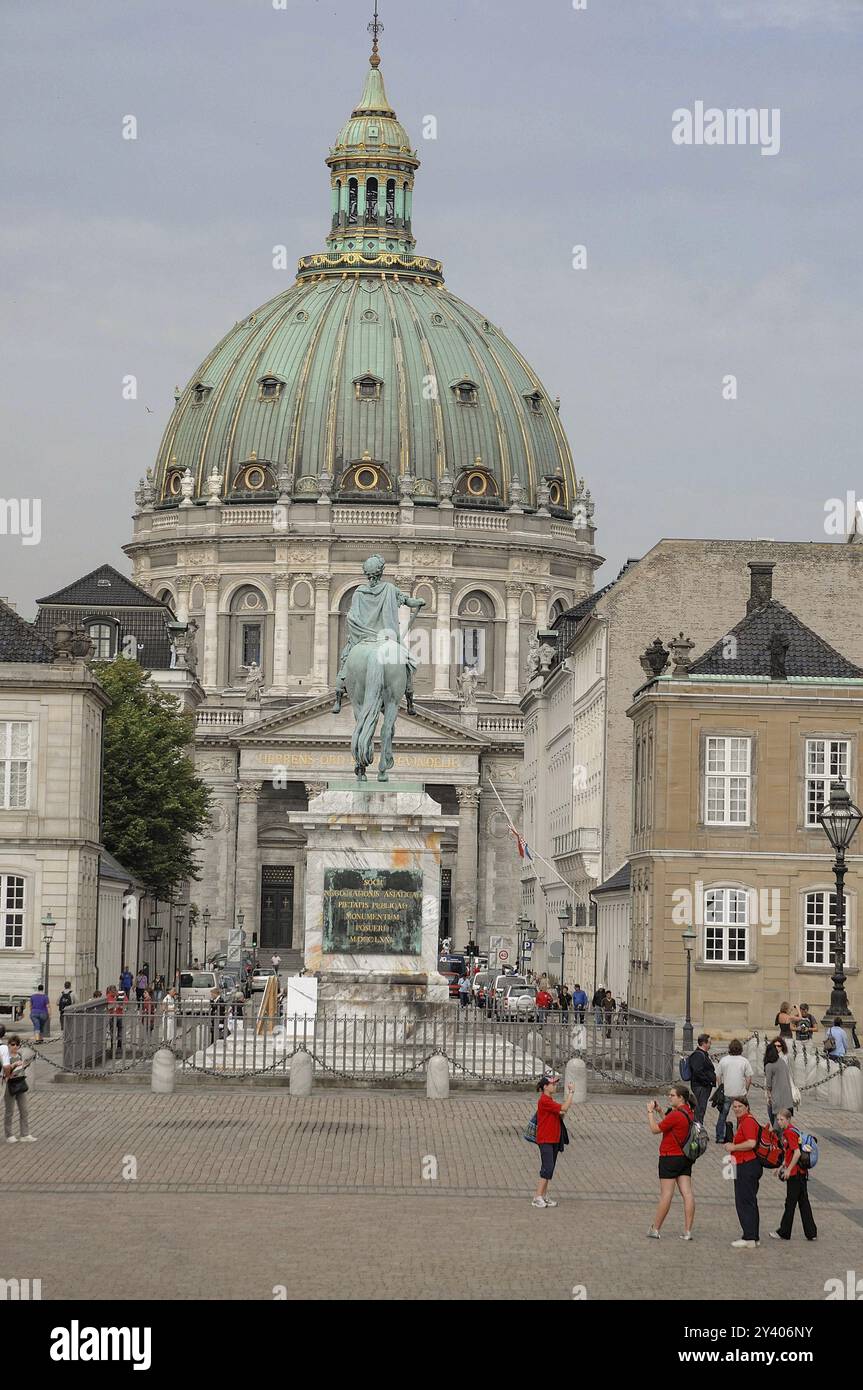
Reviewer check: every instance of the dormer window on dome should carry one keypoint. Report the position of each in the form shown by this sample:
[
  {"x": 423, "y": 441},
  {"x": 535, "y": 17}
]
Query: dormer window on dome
[
  {"x": 466, "y": 392},
  {"x": 201, "y": 391},
  {"x": 269, "y": 388},
  {"x": 477, "y": 484},
  {"x": 366, "y": 477},
  {"x": 254, "y": 477},
  {"x": 368, "y": 387},
  {"x": 534, "y": 400}
]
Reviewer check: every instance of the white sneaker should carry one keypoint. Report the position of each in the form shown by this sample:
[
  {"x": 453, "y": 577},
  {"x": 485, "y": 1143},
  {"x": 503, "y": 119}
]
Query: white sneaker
[
  {"x": 28, "y": 1139},
  {"x": 550, "y": 1202},
  {"x": 744, "y": 1244},
  {"x": 653, "y": 1234},
  {"x": 13, "y": 1139},
  {"x": 774, "y": 1235},
  {"x": 687, "y": 1235},
  {"x": 539, "y": 1202}
]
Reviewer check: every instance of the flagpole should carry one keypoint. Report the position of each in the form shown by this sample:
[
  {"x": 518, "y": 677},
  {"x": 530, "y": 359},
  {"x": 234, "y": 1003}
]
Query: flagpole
[{"x": 534, "y": 854}]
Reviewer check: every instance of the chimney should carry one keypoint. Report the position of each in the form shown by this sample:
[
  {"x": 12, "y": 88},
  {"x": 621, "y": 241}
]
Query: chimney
[{"x": 760, "y": 584}]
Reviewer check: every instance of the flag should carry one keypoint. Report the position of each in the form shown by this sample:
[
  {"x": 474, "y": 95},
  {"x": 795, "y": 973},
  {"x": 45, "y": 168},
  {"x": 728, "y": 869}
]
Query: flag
[{"x": 523, "y": 848}]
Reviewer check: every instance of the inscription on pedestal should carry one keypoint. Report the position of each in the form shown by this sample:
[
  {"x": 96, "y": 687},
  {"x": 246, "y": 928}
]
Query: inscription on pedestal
[{"x": 373, "y": 911}]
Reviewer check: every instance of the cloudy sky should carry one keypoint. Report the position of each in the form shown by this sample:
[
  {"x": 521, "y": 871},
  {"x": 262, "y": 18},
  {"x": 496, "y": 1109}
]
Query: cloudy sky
[{"x": 554, "y": 130}]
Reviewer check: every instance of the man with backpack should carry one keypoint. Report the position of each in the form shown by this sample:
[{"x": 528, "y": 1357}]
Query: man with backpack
[
  {"x": 795, "y": 1174},
  {"x": 66, "y": 999},
  {"x": 701, "y": 1075}
]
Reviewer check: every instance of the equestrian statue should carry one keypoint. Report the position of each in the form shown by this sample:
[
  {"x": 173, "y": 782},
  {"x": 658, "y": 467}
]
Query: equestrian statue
[{"x": 376, "y": 668}]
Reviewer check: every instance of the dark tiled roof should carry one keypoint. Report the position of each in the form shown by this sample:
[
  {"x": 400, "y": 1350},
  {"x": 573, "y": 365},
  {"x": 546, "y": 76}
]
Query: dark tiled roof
[
  {"x": 567, "y": 623},
  {"x": 617, "y": 882},
  {"x": 807, "y": 655},
  {"x": 114, "y": 591},
  {"x": 19, "y": 641},
  {"x": 109, "y": 867}
]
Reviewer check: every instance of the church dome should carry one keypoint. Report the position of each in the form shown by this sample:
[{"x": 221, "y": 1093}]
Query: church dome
[{"x": 367, "y": 373}]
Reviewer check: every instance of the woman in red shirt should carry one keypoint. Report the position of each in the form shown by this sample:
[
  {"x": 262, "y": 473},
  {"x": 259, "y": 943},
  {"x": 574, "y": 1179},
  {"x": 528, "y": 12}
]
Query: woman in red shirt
[
  {"x": 548, "y": 1122},
  {"x": 675, "y": 1169},
  {"x": 747, "y": 1174},
  {"x": 796, "y": 1181}
]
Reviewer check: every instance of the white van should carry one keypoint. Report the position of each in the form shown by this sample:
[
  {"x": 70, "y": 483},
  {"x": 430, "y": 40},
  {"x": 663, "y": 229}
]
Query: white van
[{"x": 196, "y": 986}]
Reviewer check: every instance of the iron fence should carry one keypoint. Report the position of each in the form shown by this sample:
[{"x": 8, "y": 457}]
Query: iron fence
[{"x": 234, "y": 1042}]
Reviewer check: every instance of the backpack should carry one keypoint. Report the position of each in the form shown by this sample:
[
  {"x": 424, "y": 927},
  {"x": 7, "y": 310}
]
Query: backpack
[
  {"x": 530, "y": 1132},
  {"x": 768, "y": 1148},
  {"x": 684, "y": 1066},
  {"x": 808, "y": 1151},
  {"x": 65, "y": 999},
  {"x": 696, "y": 1141}
]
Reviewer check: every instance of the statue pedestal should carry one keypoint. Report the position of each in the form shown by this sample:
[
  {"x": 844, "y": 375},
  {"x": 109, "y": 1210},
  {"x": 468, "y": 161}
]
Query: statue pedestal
[{"x": 372, "y": 900}]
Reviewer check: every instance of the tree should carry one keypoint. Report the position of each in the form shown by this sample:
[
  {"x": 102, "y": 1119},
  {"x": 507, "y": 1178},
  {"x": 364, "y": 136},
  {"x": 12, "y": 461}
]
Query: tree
[{"x": 153, "y": 803}]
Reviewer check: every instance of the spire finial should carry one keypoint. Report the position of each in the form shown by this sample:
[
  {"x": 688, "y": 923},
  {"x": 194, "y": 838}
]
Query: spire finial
[{"x": 375, "y": 28}]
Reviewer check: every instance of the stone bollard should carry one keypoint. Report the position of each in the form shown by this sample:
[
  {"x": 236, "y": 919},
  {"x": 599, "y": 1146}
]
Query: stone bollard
[
  {"x": 302, "y": 1074},
  {"x": 437, "y": 1078},
  {"x": 810, "y": 1075},
  {"x": 751, "y": 1051},
  {"x": 163, "y": 1072},
  {"x": 798, "y": 1066},
  {"x": 576, "y": 1072},
  {"x": 831, "y": 1090},
  {"x": 852, "y": 1088}
]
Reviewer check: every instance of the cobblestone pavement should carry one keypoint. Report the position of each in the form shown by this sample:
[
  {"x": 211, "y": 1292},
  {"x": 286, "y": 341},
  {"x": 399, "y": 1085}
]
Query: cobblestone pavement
[{"x": 386, "y": 1195}]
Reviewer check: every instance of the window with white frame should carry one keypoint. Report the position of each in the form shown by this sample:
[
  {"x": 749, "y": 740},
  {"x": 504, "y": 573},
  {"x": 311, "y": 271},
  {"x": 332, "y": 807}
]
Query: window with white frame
[
  {"x": 827, "y": 759},
  {"x": 819, "y": 929},
  {"x": 15, "y": 741},
  {"x": 102, "y": 637},
  {"x": 726, "y": 926},
  {"x": 11, "y": 911},
  {"x": 726, "y": 780}
]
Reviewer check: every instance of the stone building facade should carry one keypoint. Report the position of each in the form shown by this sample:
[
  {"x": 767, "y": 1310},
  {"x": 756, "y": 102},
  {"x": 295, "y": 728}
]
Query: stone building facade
[
  {"x": 50, "y": 768},
  {"x": 733, "y": 759},
  {"x": 578, "y": 739}
]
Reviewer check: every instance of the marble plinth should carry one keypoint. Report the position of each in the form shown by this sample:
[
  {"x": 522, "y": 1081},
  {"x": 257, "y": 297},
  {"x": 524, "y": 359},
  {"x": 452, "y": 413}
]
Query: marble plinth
[{"x": 372, "y": 900}]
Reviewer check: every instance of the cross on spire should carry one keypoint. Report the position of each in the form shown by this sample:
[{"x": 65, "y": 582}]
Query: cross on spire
[{"x": 375, "y": 28}]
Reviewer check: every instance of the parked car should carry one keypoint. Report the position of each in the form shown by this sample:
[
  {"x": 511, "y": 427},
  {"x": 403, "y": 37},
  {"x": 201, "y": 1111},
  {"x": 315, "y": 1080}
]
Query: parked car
[
  {"x": 196, "y": 986},
  {"x": 260, "y": 977},
  {"x": 452, "y": 979},
  {"x": 498, "y": 987},
  {"x": 516, "y": 1002}
]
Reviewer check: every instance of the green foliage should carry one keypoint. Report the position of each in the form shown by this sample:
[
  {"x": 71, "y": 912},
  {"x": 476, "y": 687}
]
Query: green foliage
[{"x": 153, "y": 801}]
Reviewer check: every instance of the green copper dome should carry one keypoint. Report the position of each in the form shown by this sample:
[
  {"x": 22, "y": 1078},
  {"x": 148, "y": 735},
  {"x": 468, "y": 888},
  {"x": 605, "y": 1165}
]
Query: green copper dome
[{"x": 367, "y": 373}]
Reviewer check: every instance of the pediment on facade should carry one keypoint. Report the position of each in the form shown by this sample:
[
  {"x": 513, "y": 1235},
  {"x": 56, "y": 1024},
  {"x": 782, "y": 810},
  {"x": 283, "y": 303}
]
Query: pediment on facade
[{"x": 314, "y": 723}]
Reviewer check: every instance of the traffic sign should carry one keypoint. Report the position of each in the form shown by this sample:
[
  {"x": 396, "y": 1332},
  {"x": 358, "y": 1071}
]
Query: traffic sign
[
  {"x": 503, "y": 955},
  {"x": 527, "y": 947}
]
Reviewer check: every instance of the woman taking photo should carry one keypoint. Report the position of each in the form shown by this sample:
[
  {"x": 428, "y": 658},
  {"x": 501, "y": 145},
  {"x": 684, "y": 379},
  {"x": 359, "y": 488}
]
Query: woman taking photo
[
  {"x": 549, "y": 1133},
  {"x": 675, "y": 1169}
]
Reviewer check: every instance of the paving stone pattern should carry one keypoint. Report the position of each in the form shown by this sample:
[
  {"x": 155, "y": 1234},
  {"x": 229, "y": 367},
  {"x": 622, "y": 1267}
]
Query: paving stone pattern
[{"x": 335, "y": 1190}]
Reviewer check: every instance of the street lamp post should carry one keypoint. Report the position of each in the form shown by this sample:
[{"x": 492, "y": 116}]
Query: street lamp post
[
  {"x": 689, "y": 939},
  {"x": 839, "y": 820},
  {"x": 205, "y": 918},
  {"x": 49, "y": 926},
  {"x": 178, "y": 927}
]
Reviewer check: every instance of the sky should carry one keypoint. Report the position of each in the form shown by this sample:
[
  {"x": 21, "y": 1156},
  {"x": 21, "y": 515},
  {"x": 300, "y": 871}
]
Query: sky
[{"x": 703, "y": 262}]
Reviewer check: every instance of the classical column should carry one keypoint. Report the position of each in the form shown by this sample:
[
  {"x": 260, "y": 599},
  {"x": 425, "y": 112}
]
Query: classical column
[
  {"x": 211, "y": 630},
  {"x": 184, "y": 585},
  {"x": 513, "y": 629},
  {"x": 280, "y": 632},
  {"x": 466, "y": 862},
  {"x": 443, "y": 637},
  {"x": 320, "y": 662},
  {"x": 247, "y": 875}
]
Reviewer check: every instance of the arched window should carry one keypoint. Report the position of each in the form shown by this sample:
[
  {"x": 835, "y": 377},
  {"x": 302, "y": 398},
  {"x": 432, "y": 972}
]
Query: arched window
[
  {"x": 337, "y": 210},
  {"x": 371, "y": 200},
  {"x": 476, "y": 637},
  {"x": 103, "y": 637},
  {"x": 248, "y": 615},
  {"x": 352, "y": 202},
  {"x": 391, "y": 202}
]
